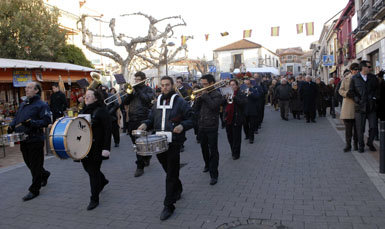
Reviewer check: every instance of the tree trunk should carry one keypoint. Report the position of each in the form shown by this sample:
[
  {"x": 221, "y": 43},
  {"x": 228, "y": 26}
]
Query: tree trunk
[{"x": 125, "y": 72}]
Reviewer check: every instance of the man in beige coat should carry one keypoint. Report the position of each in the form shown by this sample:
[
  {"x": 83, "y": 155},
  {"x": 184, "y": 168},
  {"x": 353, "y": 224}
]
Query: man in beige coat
[{"x": 347, "y": 110}]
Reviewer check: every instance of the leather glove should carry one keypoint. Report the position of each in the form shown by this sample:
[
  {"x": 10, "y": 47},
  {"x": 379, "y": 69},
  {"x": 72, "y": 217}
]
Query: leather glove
[
  {"x": 10, "y": 129},
  {"x": 350, "y": 94},
  {"x": 27, "y": 123}
]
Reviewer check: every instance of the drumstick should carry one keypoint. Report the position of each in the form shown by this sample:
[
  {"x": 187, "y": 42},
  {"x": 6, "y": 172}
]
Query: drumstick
[{"x": 20, "y": 124}]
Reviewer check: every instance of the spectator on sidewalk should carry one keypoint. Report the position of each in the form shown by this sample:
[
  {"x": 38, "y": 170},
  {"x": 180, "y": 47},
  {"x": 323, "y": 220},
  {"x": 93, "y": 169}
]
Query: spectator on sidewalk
[
  {"x": 364, "y": 90},
  {"x": 58, "y": 103},
  {"x": 322, "y": 97},
  {"x": 347, "y": 109},
  {"x": 331, "y": 98}
]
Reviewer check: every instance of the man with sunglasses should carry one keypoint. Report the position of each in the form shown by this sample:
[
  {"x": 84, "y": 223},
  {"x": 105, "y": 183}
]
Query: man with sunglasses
[{"x": 364, "y": 91}]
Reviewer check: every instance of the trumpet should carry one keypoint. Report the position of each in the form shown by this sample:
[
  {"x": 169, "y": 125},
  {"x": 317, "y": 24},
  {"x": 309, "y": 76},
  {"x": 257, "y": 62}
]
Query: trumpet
[
  {"x": 129, "y": 89},
  {"x": 197, "y": 93}
]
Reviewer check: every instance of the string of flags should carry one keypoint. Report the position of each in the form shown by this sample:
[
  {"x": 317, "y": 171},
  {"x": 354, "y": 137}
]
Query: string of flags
[{"x": 309, "y": 26}]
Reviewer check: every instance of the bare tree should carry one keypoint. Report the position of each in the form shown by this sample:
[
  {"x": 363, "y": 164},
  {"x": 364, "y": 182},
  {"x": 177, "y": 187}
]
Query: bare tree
[
  {"x": 158, "y": 57},
  {"x": 133, "y": 46}
]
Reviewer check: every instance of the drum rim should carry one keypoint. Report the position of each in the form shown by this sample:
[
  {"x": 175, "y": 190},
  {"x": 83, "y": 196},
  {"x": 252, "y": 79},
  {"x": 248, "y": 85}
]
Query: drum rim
[
  {"x": 91, "y": 138},
  {"x": 51, "y": 137}
]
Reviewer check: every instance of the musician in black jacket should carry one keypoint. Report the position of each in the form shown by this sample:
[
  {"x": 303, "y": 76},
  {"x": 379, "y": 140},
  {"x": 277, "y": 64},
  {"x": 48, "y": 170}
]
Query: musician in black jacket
[
  {"x": 364, "y": 90},
  {"x": 208, "y": 105},
  {"x": 178, "y": 119},
  {"x": 101, "y": 143},
  {"x": 139, "y": 103},
  {"x": 32, "y": 116},
  {"x": 58, "y": 103},
  {"x": 234, "y": 118}
]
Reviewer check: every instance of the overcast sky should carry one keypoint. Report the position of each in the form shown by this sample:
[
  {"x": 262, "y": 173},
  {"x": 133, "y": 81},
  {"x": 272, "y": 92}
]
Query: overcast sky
[{"x": 216, "y": 16}]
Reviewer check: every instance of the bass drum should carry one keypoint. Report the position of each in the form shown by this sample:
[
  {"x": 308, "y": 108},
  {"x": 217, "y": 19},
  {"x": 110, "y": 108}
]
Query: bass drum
[{"x": 71, "y": 138}]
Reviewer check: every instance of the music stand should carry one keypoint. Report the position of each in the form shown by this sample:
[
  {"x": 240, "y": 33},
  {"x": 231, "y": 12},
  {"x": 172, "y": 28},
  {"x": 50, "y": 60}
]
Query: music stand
[{"x": 120, "y": 79}]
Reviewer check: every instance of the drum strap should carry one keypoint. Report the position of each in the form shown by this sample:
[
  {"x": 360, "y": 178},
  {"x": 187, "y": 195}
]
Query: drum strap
[{"x": 165, "y": 107}]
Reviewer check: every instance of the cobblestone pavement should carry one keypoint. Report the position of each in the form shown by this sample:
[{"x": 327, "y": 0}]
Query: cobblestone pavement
[{"x": 293, "y": 176}]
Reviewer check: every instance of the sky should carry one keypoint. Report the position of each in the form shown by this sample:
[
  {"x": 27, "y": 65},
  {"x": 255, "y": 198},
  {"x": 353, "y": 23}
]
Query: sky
[{"x": 216, "y": 16}]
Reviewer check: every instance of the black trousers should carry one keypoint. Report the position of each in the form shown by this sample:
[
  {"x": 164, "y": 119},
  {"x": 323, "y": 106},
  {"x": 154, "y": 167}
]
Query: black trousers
[
  {"x": 209, "y": 146},
  {"x": 115, "y": 132},
  {"x": 260, "y": 113},
  {"x": 97, "y": 178},
  {"x": 133, "y": 125},
  {"x": 310, "y": 115},
  {"x": 234, "y": 136},
  {"x": 33, "y": 155},
  {"x": 360, "y": 126},
  {"x": 350, "y": 131},
  {"x": 170, "y": 161},
  {"x": 250, "y": 126}
]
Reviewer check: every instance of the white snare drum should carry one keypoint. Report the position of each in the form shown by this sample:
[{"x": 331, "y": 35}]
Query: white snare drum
[
  {"x": 15, "y": 137},
  {"x": 71, "y": 138},
  {"x": 151, "y": 144}
]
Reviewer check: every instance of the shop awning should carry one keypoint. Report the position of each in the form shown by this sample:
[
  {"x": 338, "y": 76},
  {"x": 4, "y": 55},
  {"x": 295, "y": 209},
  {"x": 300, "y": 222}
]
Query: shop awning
[{"x": 30, "y": 64}]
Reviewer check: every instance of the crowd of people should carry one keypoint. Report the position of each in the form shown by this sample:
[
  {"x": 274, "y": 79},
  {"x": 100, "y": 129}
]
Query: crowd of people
[{"x": 177, "y": 107}]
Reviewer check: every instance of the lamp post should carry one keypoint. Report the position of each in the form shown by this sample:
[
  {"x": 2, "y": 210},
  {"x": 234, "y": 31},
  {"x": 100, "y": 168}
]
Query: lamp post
[{"x": 165, "y": 54}]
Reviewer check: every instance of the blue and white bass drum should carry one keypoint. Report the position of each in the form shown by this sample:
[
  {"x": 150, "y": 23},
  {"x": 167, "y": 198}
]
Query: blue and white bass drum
[{"x": 71, "y": 138}]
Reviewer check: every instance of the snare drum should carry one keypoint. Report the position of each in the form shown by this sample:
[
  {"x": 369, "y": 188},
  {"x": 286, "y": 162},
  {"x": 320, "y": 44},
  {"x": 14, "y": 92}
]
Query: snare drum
[
  {"x": 71, "y": 138},
  {"x": 15, "y": 137},
  {"x": 151, "y": 144}
]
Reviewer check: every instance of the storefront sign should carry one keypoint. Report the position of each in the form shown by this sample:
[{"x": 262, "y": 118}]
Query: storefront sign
[
  {"x": 371, "y": 38},
  {"x": 21, "y": 78}
]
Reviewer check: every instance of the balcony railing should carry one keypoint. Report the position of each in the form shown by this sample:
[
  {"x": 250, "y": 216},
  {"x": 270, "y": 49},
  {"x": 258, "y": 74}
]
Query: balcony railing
[{"x": 379, "y": 9}]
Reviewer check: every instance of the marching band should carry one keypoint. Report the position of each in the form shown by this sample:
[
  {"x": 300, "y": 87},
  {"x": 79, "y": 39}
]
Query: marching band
[{"x": 156, "y": 125}]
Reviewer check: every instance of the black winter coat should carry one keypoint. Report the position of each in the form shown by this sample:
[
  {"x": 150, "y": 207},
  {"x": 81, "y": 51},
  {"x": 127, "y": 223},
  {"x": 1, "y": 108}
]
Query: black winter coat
[
  {"x": 40, "y": 115},
  {"x": 139, "y": 103},
  {"x": 58, "y": 103},
  {"x": 240, "y": 102},
  {"x": 181, "y": 113},
  {"x": 365, "y": 93},
  {"x": 101, "y": 130},
  {"x": 251, "y": 108},
  {"x": 295, "y": 101},
  {"x": 309, "y": 93},
  {"x": 208, "y": 107},
  {"x": 283, "y": 92}
]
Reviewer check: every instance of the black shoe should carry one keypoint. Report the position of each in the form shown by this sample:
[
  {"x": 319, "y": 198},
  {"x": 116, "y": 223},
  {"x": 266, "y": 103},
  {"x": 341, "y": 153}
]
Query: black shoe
[
  {"x": 313, "y": 120},
  {"x": 167, "y": 212},
  {"x": 206, "y": 169},
  {"x": 355, "y": 146},
  {"x": 372, "y": 148},
  {"x": 146, "y": 162},
  {"x": 104, "y": 184},
  {"x": 45, "y": 180},
  {"x": 298, "y": 117},
  {"x": 251, "y": 141},
  {"x": 307, "y": 121},
  {"x": 93, "y": 204},
  {"x": 235, "y": 157},
  {"x": 29, "y": 196},
  {"x": 246, "y": 138},
  {"x": 138, "y": 172},
  {"x": 213, "y": 181},
  {"x": 333, "y": 116},
  {"x": 178, "y": 196},
  {"x": 116, "y": 145},
  {"x": 361, "y": 150},
  {"x": 182, "y": 148},
  {"x": 347, "y": 149}
]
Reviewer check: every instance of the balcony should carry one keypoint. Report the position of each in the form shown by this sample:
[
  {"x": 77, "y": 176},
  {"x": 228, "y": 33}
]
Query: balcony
[
  {"x": 379, "y": 9},
  {"x": 360, "y": 34},
  {"x": 367, "y": 21}
]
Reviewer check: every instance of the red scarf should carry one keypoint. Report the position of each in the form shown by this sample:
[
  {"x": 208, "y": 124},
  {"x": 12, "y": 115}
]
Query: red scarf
[{"x": 230, "y": 111}]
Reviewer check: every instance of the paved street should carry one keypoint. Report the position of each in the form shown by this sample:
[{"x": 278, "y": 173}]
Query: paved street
[{"x": 295, "y": 175}]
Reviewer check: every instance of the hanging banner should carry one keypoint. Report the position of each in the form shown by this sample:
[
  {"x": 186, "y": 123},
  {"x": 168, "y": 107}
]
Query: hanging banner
[
  {"x": 246, "y": 33},
  {"x": 21, "y": 78},
  {"x": 299, "y": 28},
  {"x": 207, "y": 37},
  {"x": 275, "y": 31},
  {"x": 309, "y": 28}
]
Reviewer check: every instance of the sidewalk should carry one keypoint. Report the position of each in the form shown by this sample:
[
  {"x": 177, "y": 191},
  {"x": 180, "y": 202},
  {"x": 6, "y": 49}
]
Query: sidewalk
[{"x": 295, "y": 175}]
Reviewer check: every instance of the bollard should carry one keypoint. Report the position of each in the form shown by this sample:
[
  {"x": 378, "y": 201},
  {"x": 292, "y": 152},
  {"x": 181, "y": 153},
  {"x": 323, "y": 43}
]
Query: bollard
[{"x": 382, "y": 147}]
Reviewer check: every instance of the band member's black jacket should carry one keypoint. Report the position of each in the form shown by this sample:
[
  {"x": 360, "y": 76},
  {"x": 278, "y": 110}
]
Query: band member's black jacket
[
  {"x": 38, "y": 113},
  {"x": 58, "y": 104},
  {"x": 240, "y": 102},
  {"x": 101, "y": 129},
  {"x": 181, "y": 113},
  {"x": 139, "y": 103},
  {"x": 208, "y": 106}
]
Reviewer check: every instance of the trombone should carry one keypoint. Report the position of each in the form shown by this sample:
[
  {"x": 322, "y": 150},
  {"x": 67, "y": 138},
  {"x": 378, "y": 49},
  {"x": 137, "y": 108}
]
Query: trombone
[
  {"x": 129, "y": 89},
  {"x": 197, "y": 93}
]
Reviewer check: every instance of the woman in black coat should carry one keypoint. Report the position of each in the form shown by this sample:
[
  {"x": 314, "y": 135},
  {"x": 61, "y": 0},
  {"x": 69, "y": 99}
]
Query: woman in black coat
[
  {"x": 101, "y": 142},
  {"x": 296, "y": 106},
  {"x": 322, "y": 99}
]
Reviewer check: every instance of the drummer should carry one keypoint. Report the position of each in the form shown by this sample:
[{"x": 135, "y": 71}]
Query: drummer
[
  {"x": 32, "y": 116},
  {"x": 101, "y": 143},
  {"x": 178, "y": 119}
]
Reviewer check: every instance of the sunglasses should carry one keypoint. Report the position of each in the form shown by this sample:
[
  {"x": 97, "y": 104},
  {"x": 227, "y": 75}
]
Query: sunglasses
[{"x": 369, "y": 66}]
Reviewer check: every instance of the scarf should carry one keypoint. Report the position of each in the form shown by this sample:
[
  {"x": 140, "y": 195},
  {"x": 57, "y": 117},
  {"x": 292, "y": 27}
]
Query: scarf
[
  {"x": 230, "y": 111},
  {"x": 167, "y": 97}
]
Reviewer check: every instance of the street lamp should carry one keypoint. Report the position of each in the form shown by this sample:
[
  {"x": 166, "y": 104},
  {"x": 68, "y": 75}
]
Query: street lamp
[{"x": 165, "y": 54}]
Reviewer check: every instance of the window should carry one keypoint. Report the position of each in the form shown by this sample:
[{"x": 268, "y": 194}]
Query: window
[{"x": 289, "y": 57}]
